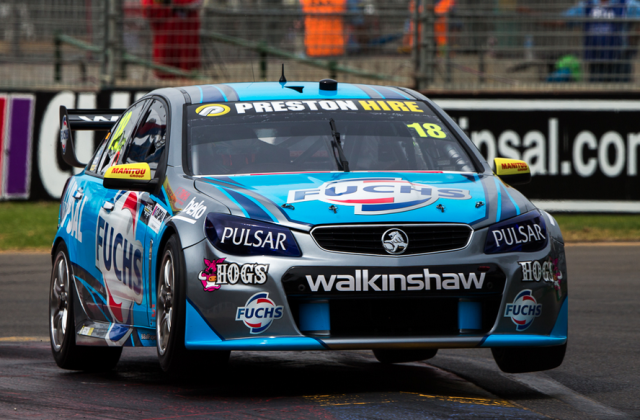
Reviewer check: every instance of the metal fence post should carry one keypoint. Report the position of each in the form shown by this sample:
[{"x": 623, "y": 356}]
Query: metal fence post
[
  {"x": 263, "y": 61},
  {"x": 448, "y": 72},
  {"x": 426, "y": 51},
  {"x": 121, "y": 69},
  {"x": 15, "y": 29},
  {"x": 111, "y": 33},
  {"x": 428, "y": 42},
  {"x": 57, "y": 53},
  {"x": 104, "y": 55},
  {"x": 416, "y": 44},
  {"x": 333, "y": 72}
]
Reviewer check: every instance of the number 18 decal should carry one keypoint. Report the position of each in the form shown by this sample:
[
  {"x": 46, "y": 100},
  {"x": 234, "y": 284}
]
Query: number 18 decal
[{"x": 432, "y": 130}]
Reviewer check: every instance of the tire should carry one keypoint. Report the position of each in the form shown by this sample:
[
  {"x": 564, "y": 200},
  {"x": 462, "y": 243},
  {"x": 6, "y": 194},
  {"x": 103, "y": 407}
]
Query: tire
[
  {"x": 67, "y": 354},
  {"x": 528, "y": 359},
  {"x": 389, "y": 356},
  {"x": 174, "y": 358}
]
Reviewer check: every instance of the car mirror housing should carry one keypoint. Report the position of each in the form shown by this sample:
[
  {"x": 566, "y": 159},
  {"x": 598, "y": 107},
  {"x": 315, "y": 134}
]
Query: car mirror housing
[
  {"x": 131, "y": 177},
  {"x": 66, "y": 140},
  {"x": 512, "y": 171}
]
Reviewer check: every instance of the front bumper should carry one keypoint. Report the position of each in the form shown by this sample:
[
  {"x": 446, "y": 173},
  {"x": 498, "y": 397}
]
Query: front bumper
[{"x": 212, "y": 316}]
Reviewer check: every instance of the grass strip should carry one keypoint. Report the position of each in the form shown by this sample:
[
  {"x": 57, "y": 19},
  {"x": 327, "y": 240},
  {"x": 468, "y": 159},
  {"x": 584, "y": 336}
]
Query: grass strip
[
  {"x": 28, "y": 226},
  {"x": 599, "y": 227}
]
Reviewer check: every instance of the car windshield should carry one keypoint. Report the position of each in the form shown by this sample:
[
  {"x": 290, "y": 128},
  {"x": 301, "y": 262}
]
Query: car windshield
[{"x": 297, "y": 136}]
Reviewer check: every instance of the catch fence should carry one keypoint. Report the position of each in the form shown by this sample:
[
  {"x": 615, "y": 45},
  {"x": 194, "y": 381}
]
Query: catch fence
[{"x": 436, "y": 45}]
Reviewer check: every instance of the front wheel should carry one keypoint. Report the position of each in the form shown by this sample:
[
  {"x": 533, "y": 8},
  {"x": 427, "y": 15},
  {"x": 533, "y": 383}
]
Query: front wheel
[
  {"x": 174, "y": 358},
  {"x": 528, "y": 359},
  {"x": 62, "y": 333},
  {"x": 388, "y": 356}
]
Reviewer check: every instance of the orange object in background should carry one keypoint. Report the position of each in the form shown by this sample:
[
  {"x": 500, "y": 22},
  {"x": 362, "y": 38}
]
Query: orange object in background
[
  {"x": 324, "y": 35},
  {"x": 439, "y": 27},
  {"x": 176, "y": 33}
]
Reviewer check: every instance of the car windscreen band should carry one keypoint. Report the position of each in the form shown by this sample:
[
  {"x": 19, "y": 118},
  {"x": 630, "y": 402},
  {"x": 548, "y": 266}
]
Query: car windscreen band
[{"x": 277, "y": 136}]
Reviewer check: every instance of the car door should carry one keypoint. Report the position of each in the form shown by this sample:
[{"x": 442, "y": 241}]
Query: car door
[
  {"x": 148, "y": 145},
  {"x": 113, "y": 259}
]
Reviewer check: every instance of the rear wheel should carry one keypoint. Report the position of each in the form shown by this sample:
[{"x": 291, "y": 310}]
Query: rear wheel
[
  {"x": 171, "y": 317},
  {"x": 403, "y": 355},
  {"x": 62, "y": 333},
  {"x": 528, "y": 359}
]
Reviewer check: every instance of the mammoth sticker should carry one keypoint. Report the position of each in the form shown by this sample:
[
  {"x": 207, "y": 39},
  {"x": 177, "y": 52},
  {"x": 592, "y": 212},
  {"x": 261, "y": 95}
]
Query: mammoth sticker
[
  {"x": 372, "y": 196},
  {"x": 119, "y": 256},
  {"x": 218, "y": 273}
]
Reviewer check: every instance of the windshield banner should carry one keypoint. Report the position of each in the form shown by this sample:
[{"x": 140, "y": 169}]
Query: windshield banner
[{"x": 240, "y": 108}]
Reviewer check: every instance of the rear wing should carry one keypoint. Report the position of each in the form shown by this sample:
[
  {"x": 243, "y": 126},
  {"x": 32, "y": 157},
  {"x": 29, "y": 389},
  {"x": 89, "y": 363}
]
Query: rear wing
[{"x": 83, "y": 119}]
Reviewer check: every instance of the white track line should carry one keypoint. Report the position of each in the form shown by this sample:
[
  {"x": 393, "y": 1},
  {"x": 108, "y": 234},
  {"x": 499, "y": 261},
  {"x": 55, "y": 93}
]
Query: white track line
[
  {"x": 540, "y": 382},
  {"x": 545, "y": 385}
]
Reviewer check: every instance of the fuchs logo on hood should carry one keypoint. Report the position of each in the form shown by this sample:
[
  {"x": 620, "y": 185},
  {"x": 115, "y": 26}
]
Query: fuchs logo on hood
[
  {"x": 377, "y": 195},
  {"x": 259, "y": 312},
  {"x": 119, "y": 256},
  {"x": 523, "y": 310}
]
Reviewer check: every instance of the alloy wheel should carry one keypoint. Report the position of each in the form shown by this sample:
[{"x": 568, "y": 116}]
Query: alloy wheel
[
  {"x": 59, "y": 301},
  {"x": 165, "y": 302}
]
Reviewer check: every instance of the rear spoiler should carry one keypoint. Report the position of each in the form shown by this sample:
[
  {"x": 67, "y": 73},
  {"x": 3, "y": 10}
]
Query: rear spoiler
[{"x": 83, "y": 119}]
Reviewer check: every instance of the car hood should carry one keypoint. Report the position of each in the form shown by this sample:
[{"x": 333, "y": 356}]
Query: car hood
[{"x": 305, "y": 200}]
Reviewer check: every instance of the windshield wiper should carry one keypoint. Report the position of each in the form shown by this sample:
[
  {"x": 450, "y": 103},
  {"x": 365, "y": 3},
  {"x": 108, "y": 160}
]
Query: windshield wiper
[{"x": 335, "y": 143}]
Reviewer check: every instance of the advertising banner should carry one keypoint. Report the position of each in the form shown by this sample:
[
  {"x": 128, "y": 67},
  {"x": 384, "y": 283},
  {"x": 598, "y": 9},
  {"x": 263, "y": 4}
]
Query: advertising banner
[
  {"x": 584, "y": 154},
  {"x": 31, "y": 165}
]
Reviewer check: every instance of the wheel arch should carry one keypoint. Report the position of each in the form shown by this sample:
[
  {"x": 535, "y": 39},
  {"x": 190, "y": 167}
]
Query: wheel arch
[
  {"x": 168, "y": 233},
  {"x": 56, "y": 242}
]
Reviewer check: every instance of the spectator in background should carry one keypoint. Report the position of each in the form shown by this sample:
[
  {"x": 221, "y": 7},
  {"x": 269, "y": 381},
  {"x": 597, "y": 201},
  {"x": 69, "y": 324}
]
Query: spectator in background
[
  {"x": 442, "y": 9},
  {"x": 363, "y": 26},
  {"x": 324, "y": 35},
  {"x": 176, "y": 33},
  {"x": 607, "y": 48}
]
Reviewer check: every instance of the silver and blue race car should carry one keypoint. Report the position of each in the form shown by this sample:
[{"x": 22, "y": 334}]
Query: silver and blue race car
[{"x": 298, "y": 216}]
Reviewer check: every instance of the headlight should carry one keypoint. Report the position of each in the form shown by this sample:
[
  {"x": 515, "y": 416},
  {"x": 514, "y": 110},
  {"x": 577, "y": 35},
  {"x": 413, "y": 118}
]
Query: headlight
[
  {"x": 240, "y": 236},
  {"x": 526, "y": 233}
]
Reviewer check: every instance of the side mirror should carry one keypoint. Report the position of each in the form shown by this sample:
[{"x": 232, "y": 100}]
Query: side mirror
[
  {"x": 130, "y": 177},
  {"x": 512, "y": 172},
  {"x": 66, "y": 140}
]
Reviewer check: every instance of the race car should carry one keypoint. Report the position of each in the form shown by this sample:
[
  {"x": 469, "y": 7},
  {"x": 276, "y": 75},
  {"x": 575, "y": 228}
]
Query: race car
[{"x": 298, "y": 216}]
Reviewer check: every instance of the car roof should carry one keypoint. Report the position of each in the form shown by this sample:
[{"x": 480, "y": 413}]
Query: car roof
[{"x": 258, "y": 91}]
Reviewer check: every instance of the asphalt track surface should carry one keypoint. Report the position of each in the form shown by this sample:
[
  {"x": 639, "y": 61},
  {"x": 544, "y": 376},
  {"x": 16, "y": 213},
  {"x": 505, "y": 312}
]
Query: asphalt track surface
[{"x": 600, "y": 377}]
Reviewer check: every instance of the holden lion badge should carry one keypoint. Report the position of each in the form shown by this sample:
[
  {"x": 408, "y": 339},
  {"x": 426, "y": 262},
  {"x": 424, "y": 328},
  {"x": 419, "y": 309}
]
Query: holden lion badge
[{"x": 395, "y": 241}]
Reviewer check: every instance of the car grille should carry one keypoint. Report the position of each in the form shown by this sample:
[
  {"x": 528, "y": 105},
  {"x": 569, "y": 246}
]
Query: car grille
[
  {"x": 399, "y": 317},
  {"x": 367, "y": 239}
]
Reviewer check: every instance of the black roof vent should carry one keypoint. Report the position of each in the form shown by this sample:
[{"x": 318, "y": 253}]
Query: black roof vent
[{"x": 328, "y": 84}]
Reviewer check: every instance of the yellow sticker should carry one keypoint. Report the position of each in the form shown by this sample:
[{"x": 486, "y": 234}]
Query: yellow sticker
[
  {"x": 116, "y": 144},
  {"x": 212, "y": 110},
  {"x": 137, "y": 171},
  {"x": 511, "y": 167},
  {"x": 402, "y": 106},
  {"x": 430, "y": 130}
]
